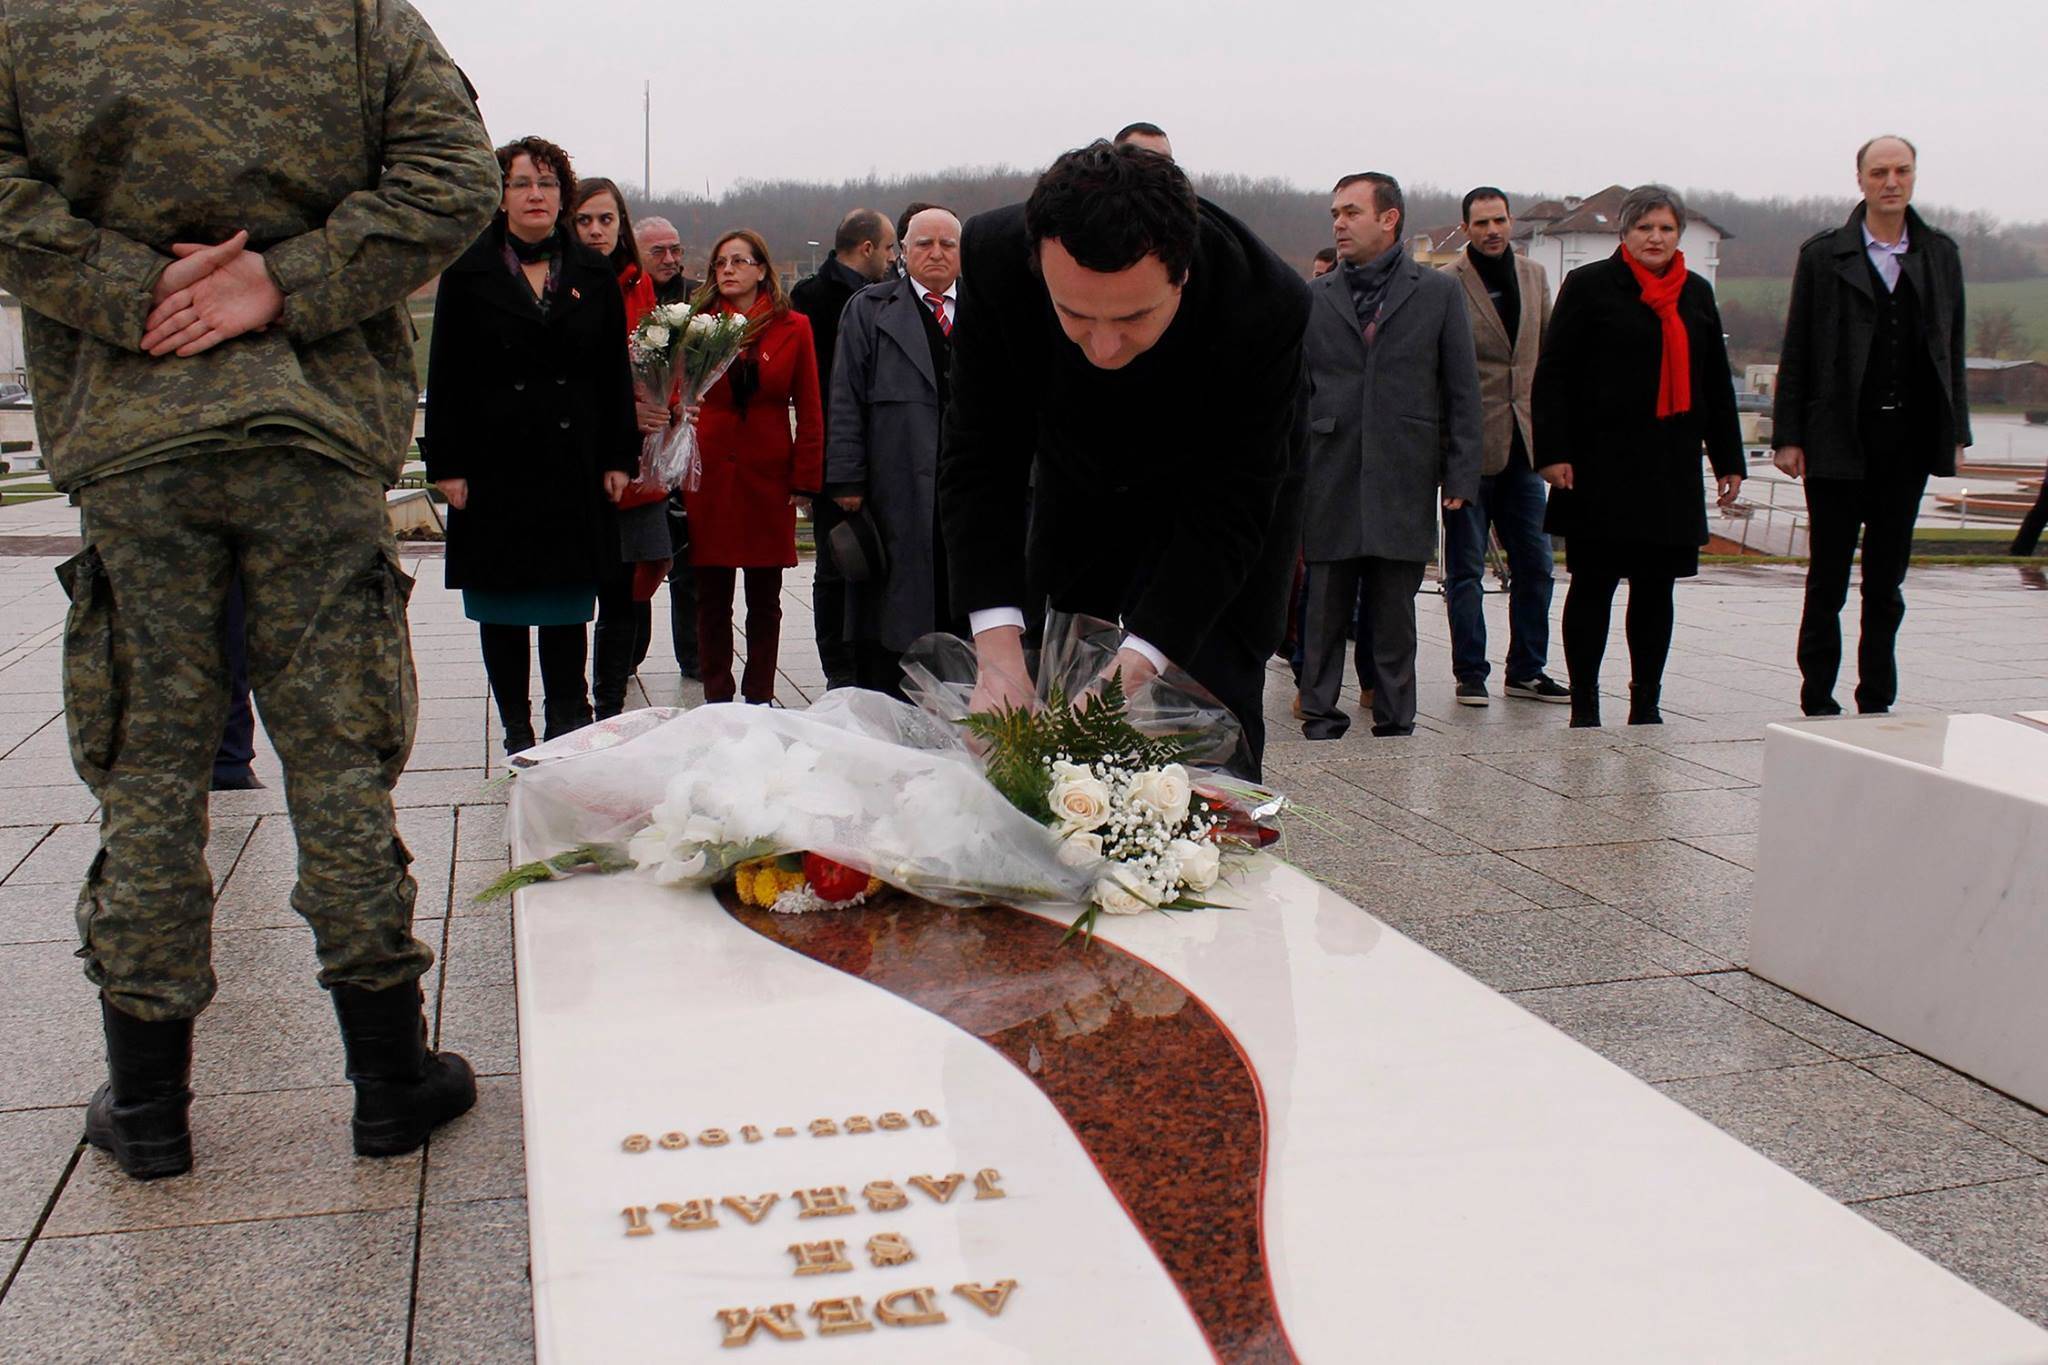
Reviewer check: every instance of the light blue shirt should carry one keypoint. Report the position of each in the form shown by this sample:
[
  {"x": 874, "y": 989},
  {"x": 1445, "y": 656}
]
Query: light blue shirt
[{"x": 1885, "y": 256}]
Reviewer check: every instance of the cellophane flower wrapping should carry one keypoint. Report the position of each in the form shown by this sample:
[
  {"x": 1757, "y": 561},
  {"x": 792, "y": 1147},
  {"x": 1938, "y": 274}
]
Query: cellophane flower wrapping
[
  {"x": 858, "y": 777},
  {"x": 707, "y": 343}
]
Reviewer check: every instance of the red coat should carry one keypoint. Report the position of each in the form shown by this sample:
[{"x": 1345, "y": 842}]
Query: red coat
[
  {"x": 740, "y": 516},
  {"x": 638, "y": 287}
]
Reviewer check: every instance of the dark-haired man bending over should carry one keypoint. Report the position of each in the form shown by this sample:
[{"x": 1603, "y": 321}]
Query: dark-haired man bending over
[{"x": 1146, "y": 349}]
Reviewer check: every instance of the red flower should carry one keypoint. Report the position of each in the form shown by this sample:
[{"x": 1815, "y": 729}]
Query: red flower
[{"x": 833, "y": 881}]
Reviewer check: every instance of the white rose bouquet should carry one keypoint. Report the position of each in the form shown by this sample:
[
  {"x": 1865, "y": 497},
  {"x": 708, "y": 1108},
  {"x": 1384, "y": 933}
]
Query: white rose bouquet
[{"x": 679, "y": 350}]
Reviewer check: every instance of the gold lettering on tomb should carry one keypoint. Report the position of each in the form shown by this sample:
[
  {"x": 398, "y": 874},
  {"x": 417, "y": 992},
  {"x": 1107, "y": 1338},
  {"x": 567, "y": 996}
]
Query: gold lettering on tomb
[
  {"x": 941, "y": 1190},
  {"x": 753, "y": 1210},
  {"x": 825, "y": 1202},
  {"x": 740, "y": 1323},
  {"x": 751, "y": 1133},
  {"x": 890, "y": 1249},
  {"x": 636, "y": 1222},
  {"x": 819, "y": 1258},
  {"x": 923, "y": 1310},
  {"x": 636, "y": 1143},
  {"x": 694, "y": 1216},
  {"x": 838, "y": 1316},
  {"x": 824, "y": 1128},
  {"x": 987, "y": 1186},
  {"x": 859, "y": 1124},
  {"x": 713, "y": 1137},
  {"x": 785, "y": 1132},
  {"x": 927, "y": 1118},
  {"x": 893, "y": 1121},
  {"x": 990, "y": 1299},
  {"x": 884, "y": 1196},
  {"x": 674, "y": 1142}
]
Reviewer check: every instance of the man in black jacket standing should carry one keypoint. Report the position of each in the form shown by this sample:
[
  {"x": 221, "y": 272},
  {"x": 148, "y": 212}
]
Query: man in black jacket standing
[
  {"x": 1871, "y": 401},
  {"x": 863, "y": 252},
  {"x": 1141, "y": 350}
]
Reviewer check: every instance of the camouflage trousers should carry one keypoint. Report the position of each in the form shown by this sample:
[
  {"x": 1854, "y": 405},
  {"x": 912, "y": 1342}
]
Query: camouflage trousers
[{"x": 146, "y": 694}]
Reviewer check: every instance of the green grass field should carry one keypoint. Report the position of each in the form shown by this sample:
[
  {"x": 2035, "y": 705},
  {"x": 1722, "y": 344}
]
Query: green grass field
[{"x": 2028, "y": 300}]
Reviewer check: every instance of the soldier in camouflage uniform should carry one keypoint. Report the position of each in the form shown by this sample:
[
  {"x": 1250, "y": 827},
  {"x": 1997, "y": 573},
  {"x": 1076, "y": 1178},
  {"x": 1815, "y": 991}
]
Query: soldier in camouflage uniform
[{"x": 213, "y": 216}]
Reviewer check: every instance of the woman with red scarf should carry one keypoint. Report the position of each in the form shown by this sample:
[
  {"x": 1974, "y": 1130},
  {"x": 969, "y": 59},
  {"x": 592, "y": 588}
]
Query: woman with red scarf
[
  {"x": 1633, "y": 382},
  {"x": 756, "y": 469}
]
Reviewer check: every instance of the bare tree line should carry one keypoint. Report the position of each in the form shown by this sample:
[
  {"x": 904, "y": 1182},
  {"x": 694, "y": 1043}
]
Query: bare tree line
[{"x": 791, "y": 214}]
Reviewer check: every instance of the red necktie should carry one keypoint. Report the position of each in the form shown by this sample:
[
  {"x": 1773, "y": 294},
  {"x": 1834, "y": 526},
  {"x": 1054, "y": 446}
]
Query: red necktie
[{"x": 938, "y": 303}]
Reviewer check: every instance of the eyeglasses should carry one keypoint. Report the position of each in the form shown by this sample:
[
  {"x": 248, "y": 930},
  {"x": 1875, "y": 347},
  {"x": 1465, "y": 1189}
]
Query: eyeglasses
[
  {"x": 735, "y": 261},
  {"x": 546, "y": 183},
  {"x": 675, "y": 251}
]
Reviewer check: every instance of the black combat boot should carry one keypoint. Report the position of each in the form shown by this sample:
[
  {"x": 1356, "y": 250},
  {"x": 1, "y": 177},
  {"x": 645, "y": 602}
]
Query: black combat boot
[
  {"x": 141, "y": 1113},
  {"x": 403, "y": 1091},
  {"x": 1642, "y": 704}
]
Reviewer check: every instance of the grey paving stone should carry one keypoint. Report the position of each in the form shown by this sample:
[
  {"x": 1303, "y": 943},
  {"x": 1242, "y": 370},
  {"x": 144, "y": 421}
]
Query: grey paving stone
[
  {"x": 469, "y": 881},
  {"x": 1430, "y": 887},
  {"x": 1682, "y": 890},
  {"x": 1644, "y": 939},
  {"x": 303, "y": 1289},
  {"x": 480, "y": 950},
  {"x": 1668, "y": 1029},
  {"x": 1995, "y": 1236},
  {"x": 2022, "y": 1125},
  {"x": 284, "y": 1154},
  {"x": 1609, "y": 772},
  {"x": 1529, "y": 949},
  {"x": 16, "y": 843},
  {"x": 1853, "y": 1135},
  {"x": 1823, "y": 1028},
  {"x": 48, "y": 805},
  {"x": 38, "y": 912},
  {"x": 36, "y": 1145},
  {"x": 1739, "y": 849},
  {"x": 481, "y": 1155},
  {"x": 481, "y": 1023},
  {"x": 464, "y": 787},
  {"x": 1684, "y": 814},
  {"x": 1525, "y": 882},
  {"x": 61, "y": 857},
  {"x": 475, "y": 1303},
  {"x": 267, "y": 1043},
  {"x": 1739, "y": 758}
]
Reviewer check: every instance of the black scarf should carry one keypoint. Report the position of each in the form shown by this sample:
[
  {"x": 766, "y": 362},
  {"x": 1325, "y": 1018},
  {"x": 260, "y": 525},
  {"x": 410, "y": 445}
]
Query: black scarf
[
  {"x": 1497, "y": 273},
  {"x": 1369, "y": 282},
  {"x": 527, "y": 253}
]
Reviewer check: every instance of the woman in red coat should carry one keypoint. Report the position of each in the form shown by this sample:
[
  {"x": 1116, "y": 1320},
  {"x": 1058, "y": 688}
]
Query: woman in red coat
[{"x": 743, "y": 514}]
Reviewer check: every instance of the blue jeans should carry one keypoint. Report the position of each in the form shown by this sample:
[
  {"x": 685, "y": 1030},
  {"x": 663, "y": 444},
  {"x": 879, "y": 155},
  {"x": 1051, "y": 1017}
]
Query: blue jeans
[{"x": 1512, "y": 502}]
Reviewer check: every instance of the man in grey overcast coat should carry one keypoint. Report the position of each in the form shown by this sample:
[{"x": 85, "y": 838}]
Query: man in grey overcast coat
[{"x": 1394, "y": 422}]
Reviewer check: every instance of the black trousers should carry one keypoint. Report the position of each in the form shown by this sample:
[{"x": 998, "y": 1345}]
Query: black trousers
[
  {"x": 828, "y": 599},
  {"x": 618, "y": 641},
  {"x": 1383, "y": 593},
  {"x": 238, "y": 737},
  {"x": 1884, "y": 504},
  {"x": 2032, "y": 525},
  {"x": 1588, "y": 611},
  {"x": 566, "y": 705}
]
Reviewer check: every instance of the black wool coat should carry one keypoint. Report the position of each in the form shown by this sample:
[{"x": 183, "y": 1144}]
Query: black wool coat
[
  {"x": 1166, "y": 493},
  {"x": 1636, "y": 477},
  {"x": 822, "y": 298},
  {"x": 532, "y": 413},
  {"x": 1828, "y": 331}
]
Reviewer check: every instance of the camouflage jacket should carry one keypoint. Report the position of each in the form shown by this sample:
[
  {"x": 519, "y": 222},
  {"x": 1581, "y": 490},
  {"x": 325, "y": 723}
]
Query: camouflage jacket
[{"x": 338, "y": 132}]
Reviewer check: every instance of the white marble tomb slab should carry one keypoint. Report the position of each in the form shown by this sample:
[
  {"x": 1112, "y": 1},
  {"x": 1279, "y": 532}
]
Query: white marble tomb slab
[
  {"x": 1448, "y": 1178},
  {"x": 1902, "y": 881}
]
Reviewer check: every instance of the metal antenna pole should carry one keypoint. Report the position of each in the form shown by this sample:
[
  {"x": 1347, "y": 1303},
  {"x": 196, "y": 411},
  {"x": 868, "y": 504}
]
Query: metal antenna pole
[{"x": 647, "y": 140}]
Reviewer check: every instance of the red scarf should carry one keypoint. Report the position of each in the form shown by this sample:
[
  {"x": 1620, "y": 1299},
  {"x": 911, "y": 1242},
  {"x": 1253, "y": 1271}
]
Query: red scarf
[{"x": 1660, "y": 295}]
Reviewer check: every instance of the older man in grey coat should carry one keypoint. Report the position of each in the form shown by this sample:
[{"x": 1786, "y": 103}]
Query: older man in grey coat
[
  {"x": 888, "y": 397},
  {"x": 1394, "y": 421}
]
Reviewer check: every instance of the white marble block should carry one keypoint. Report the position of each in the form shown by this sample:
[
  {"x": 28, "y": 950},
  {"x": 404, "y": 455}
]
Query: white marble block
[{"x": 1902, "y": 882}]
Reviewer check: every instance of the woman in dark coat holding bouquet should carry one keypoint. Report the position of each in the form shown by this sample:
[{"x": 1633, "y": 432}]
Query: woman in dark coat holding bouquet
[
  {"x": 531, "y": 436},
  {"x": 743, "y": 512},
  {"x": 1632, "y": 383}
]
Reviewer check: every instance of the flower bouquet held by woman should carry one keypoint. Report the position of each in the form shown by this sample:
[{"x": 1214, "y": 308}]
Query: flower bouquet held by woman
[
  {"x": 681, "y": 349},
  {"x": 1092, "y": 803}
]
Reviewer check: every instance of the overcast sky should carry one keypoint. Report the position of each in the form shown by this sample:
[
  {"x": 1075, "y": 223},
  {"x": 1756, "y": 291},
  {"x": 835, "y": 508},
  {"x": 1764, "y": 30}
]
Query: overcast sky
[{"x": 1760, "y": 97}]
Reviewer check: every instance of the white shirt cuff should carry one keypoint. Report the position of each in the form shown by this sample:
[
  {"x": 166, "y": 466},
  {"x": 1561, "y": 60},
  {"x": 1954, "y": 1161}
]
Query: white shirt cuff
[
  {"x": 994, "y": 618},
  {"x": 1145, "y": 648}
]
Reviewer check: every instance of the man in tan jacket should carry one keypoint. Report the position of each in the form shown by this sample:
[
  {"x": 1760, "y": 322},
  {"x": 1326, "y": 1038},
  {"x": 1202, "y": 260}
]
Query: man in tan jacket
[{"x": 1508, "y": 300}]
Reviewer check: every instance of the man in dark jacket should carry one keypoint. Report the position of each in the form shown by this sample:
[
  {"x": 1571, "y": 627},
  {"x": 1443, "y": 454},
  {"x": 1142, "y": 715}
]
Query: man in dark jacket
[
  {"x": 888, "y": 398},
  {"x": 661, "y": 255},
  {"x": 1871, "y": 401},
  {"x": 1141, "y": 350},
  {"x": 1394, "y": 433},
  {"x": 236, "y": 409},
  {"x": 863, "y": 252}
]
